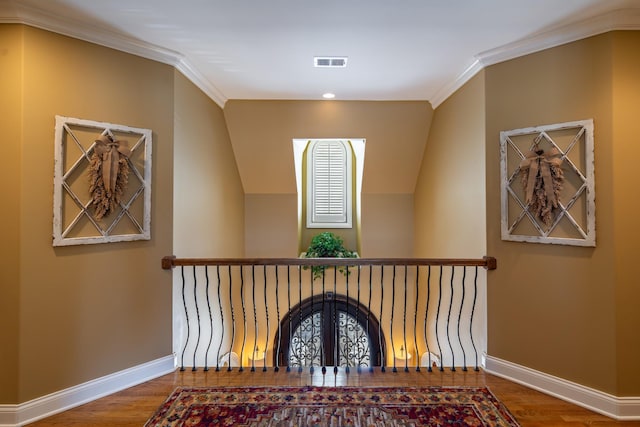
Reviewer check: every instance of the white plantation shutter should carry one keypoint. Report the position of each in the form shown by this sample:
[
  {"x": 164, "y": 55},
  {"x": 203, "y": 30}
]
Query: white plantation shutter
[{"x": 330, "y": 184}]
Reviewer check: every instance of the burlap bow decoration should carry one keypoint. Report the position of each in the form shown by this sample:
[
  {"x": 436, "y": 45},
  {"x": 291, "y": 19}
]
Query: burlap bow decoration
[
  {"x": 542, "y": 180},
  {"x": 108, "y": 174}
]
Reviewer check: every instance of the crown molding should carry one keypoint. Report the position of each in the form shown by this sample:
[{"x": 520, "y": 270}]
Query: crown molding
[
  {"x": 203, "y": 84},
  {"x": 38, "y": 18},
  {"x": 450, "y": 88},
  {"x": 16, "y": 13},
  {"x": 622, "y": 19}
]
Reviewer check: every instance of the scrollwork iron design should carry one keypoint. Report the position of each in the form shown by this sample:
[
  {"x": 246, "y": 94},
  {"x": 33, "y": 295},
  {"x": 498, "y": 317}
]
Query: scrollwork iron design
[
  {"x": 306, "y": 343},
  {"x": 353, "y": 343}
]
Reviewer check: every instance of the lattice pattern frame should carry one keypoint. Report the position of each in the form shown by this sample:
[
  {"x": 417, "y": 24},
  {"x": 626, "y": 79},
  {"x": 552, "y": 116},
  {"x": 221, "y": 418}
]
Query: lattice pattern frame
[
  {"x": 573, "y": 221},
  {"x": 74, "y": 222}
]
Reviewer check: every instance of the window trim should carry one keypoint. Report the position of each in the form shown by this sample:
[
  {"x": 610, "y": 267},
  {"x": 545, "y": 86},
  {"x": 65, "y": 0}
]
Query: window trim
[
  {"x": 343, "y": 218},
  {"x": 299, "y": 145}
]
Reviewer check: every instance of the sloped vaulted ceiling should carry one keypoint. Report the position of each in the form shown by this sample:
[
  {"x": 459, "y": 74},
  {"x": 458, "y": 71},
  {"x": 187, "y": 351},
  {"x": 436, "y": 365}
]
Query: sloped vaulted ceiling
[{"x": 262, "y": 133}]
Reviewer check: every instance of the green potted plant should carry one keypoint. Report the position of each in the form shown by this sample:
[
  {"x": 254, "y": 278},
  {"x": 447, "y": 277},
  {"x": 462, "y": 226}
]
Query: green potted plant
[{"x": 327, "y": 245}]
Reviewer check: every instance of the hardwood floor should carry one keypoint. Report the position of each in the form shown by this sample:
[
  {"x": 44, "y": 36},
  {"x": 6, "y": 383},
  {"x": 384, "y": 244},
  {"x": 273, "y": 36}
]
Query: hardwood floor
[{"x": 133, "y": 406}]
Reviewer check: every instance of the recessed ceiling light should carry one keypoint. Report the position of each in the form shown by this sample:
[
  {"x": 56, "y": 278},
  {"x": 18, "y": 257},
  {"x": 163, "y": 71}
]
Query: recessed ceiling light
[
  {"x": 330, "y": 61},
  {"x": 328, "y": 95}
]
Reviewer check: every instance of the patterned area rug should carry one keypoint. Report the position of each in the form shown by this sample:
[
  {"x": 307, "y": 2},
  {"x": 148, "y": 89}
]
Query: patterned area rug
[{"x": 331, "y": 406}]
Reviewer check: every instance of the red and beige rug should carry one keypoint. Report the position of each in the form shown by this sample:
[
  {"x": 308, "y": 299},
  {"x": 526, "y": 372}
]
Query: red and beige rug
[{"x": 331, "y": 406}]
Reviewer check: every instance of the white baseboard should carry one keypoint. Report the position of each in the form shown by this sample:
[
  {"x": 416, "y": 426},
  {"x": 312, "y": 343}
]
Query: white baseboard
[
  {"x": 620, "y": 408},
  {"x": 42, "y": 407}
]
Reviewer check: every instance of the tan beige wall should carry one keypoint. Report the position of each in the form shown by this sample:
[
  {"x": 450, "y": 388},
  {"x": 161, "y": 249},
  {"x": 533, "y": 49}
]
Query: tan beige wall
[
  {"x": 11, "y": 41},
  {"x": 450, "y": 193},
  {"x": 387, "y": 225},
  {"x": 88, "y": 311},
  {"x": 208, "y": 205},
  {"x": 567, "y": 311},
  {"x": 626, "y": 151},
  {"x": 262, "y": 132},
  {"x": 552, "y": 307},
  {"x": 271, "y": 225}
]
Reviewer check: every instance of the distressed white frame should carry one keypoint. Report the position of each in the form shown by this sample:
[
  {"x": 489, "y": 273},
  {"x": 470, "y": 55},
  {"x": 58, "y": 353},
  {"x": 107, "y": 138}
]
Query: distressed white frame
[
  {"x": 509, "y": 173},
  {"x": 104, "y": 232}
]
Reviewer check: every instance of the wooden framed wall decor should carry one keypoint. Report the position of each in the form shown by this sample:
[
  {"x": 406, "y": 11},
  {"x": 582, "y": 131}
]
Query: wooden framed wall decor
[
  {"x": 547, "y": 184},
  {"x": 102, "y": 182}
]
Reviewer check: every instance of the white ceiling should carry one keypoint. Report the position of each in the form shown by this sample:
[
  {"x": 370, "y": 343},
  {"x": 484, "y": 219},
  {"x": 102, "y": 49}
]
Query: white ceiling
[{"x": 257, "y": 49}]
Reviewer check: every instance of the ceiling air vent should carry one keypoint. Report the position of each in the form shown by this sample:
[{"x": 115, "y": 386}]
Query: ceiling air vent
[{"x": 330, "y": 61}]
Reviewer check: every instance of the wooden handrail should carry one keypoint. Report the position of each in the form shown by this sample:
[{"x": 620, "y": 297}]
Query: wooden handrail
[{"x": 490, "y": 263}]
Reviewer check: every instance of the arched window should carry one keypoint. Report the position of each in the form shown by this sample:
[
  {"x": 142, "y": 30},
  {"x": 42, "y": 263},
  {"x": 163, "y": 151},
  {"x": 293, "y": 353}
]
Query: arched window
[
  {"x": 352, "y": 149},
  {"x": 330, "y": 331},
  {"x": 330, "y": 183}
]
